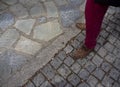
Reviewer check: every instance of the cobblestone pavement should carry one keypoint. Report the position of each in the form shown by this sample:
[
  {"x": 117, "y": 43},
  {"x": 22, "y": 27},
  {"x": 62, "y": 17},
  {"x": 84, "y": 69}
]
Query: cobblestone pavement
[
  {"x": 101, "y": 68},
  {"x": 36, "y": 46}
]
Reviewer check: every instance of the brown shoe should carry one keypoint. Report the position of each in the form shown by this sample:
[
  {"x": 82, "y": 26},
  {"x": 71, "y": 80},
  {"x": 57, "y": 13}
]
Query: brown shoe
[
  {"x": 82, "y": 52},
  {"x": 81, "y": 26}
]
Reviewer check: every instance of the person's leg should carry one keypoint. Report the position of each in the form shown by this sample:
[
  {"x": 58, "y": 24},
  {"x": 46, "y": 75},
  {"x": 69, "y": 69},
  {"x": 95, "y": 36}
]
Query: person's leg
[{"x": 94, "y": 14}]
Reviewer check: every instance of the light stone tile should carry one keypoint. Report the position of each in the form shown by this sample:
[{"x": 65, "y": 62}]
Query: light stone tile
[
  {"x": 9, "y": 38},
  {"x": 47, "y": 31},
  {"x": 25, "y": 25},
  {"x": 51, "y": 9},
  {"x": 10, "y": 2},
  {"x": 19, "y": 11},
  {"x": 28, "y": 46},
  {"x": 37, "y": 10}
]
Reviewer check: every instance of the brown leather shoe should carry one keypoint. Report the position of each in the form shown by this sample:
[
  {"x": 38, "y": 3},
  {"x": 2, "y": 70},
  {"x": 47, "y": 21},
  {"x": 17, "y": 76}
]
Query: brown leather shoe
[
  {"x": 81, "y": 26},
  {"x": 81, "y": 52}
]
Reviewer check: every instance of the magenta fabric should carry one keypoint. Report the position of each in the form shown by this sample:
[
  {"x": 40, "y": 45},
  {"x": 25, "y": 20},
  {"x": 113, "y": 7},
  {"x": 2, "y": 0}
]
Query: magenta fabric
[{"x": 94, "y": 14}]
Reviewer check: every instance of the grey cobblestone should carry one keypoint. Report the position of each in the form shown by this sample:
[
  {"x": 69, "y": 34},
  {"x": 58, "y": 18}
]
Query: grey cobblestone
[
  {"x": 117, "y": 64},
  {"x": 84, "y": 74},
  {"x": 110, "y": 58},
  {"x": 38, "y": 80},
  {"x": 76, "y": 67},
  {"x": 99, "y": 73},
  {"x": 116, "y": 85},
  {"x": 104, "y": 34},
  {"x": 64, "y": 71},
  {"x": 90, "y": 66},
  {"x": 82, "y": 62},
  {"x": 107, "y": 81},
  {"x": 30, "y": 84},
  {"x": 109, "y": 47},
  {"x": 56, "y": 63},
  {"x": 48, "y": 71},
  {"x": 83, "y": 85},
  {"x": 68, "y": 85},
  {"x": 106, "y": 66},
  {"x": 101, "y": 40},
  {"x": 99, "y": 85},
  {"x": 92, "y": 81},
  {"x": 116, "y": 52},
  {"x": 80, "y": 37},
  {"x": 97, "y": 60},
  {"x": 74, "y": 79},
  {"x": 62, "y": 55},
  {"x": 102, "y": 52},
  {"x": 46, "y": 84},
  {"x": 75, "y": 43},
  {"x": 58, "y": 81},
  {"x": 117, "y": 43},
  {"x": 114, "y": 74},
  {"x": 112, "y": 39},
  {"x": 68, "y": 49},
  {"x": 68, "y": 61}
]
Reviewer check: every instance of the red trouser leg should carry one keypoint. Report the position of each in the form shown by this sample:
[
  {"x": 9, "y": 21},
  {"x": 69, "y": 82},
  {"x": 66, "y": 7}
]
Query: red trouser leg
[{"x": 94, "y": 14}]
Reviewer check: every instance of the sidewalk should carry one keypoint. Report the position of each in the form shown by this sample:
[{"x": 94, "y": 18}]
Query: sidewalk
[
  {"x": 31, "y": 33},
  {"x": 37, "y": 38}
]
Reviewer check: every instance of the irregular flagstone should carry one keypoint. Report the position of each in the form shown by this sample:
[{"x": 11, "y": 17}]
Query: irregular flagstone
[
  {"x": 28, "y": 46},
  {"x": 9, "y": 38},
  {"x": 2, "y": 6},
  {"x": 68, "y": 15},
  {"x": 25, "y": 25},
  {"x": 47, "y": 31},
  {"x": 37, "y": 10},
  {"x": 51, "y": 9},
  {"x": 28, "y": 3},
  {"x": 10, "y": 2},
  {"x": 6, "y": 20},
  {"x": 10, "y": 62},
  {"x": 19, "y": 10}
]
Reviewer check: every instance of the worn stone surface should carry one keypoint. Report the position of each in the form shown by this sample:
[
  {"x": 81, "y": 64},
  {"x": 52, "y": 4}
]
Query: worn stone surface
[
  {"x": 37, "y": 10},
  {"x": 51, "y": 9},
  {"x": 25, "y": 25},
  {"x": 2, "y": 6},
  {"x": 68, "y": 15},
  {"x": 28, "y": 3},
  {"x": 19, "y": 11},
  {"x": 47, "y": 31},
  {"x": 6, "y": 20},
  {"x": 10, "y": 2},
  {"x": 10, "y": 62},
  {"x": 8, "y": 38},
  {"x": 28, "y": 46}
]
